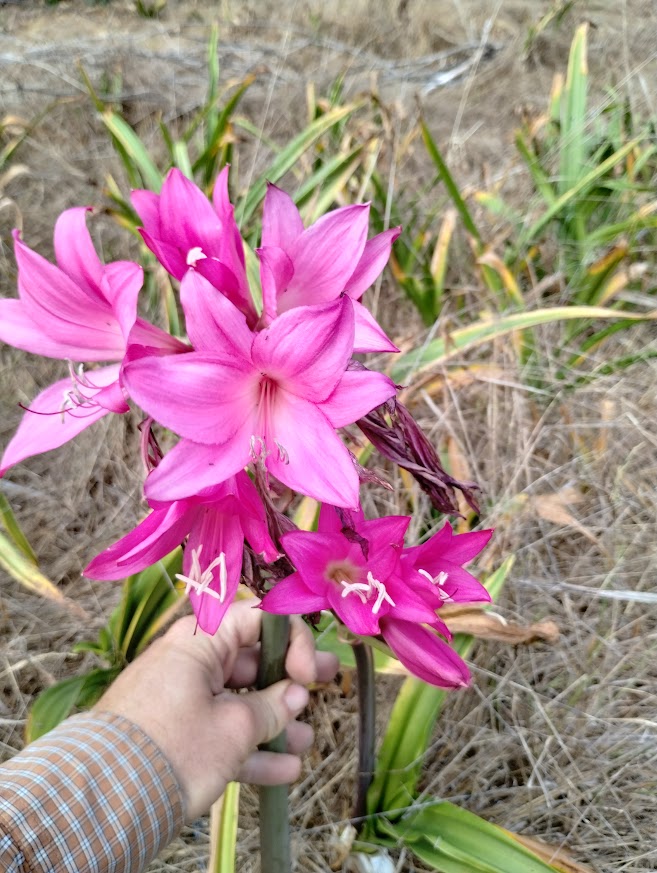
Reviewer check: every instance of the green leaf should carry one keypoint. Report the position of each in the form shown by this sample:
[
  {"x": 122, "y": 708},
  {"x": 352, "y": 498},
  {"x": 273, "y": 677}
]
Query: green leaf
[
  {"x": 331, "y": 636},
  {"x": 288, "y": 157},
  {"x": 57, "y": 702},
  {"x": 572, "y": 142},
  {"x": 223, "y": 831},
  {"x": 454, "y": 840},
  {"x": 14, "y": 530},
  {"x": 133, "y": 149},
  {"x": 440, "y": 350}
]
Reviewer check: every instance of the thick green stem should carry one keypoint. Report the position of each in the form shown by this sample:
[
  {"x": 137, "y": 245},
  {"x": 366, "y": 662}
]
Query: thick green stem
[
  {"x": 275, "y": 854},
  {"x": 366, "y": 726}
]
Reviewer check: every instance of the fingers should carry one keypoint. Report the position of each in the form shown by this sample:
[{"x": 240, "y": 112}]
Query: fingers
[
  {"x": 272, "y": 768},
  {"x": 260, "y": 716}
]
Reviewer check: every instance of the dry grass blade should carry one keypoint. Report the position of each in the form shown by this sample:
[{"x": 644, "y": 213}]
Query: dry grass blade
[{"x": 490, "y": 626}]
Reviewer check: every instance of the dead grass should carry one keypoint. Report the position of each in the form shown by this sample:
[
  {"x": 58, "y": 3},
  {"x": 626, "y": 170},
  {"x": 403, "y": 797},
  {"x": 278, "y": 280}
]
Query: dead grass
[{"x": 557, "y": 742}]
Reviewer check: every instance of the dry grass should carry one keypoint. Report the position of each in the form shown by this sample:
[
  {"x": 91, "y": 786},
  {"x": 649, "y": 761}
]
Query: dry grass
[{"x": 551, "y": 741}]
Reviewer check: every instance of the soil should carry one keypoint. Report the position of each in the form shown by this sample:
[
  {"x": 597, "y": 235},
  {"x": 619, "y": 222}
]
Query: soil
[{"x": 552, "y": 742}]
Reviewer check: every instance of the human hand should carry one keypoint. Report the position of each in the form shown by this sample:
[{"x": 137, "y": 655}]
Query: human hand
[{"x": 176, "y": 692}]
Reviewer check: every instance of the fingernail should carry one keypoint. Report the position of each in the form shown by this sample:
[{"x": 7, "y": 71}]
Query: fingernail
[{"x": 296, "y": 697}]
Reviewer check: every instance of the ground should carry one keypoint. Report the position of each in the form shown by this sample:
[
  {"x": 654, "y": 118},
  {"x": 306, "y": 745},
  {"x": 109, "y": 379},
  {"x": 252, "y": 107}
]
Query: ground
[{"x": 553, "y": 741}]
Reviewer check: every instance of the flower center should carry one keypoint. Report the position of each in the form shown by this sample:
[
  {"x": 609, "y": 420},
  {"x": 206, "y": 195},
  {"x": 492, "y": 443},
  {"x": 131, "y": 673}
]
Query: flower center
[
  {"x": 194, "y": 255},
  {"x": 439, "y": 581},
  {"x": 267, "y": 389},
  {"x": 200, "y": 580},
  {"x": 349, "y": 578}
]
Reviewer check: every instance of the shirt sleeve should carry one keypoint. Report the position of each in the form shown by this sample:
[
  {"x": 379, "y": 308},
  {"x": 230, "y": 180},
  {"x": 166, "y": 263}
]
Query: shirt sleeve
[{"x": 95, "y": 794}]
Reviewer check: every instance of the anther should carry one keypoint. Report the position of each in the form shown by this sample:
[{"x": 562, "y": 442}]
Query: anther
[{"x": 193, "y": 255}]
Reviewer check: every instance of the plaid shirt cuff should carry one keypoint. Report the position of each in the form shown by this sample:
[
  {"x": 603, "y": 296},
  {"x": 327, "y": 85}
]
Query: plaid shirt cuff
[{"x": 96, "y": 794}]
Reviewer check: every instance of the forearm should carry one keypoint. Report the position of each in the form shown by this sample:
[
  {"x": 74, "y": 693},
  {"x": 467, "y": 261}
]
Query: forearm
[{"x": 95, "y": 794}]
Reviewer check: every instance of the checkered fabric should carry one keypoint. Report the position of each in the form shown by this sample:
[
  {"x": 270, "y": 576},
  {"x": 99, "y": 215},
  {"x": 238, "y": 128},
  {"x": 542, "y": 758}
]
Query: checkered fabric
[{"x": 96, "y": 794}]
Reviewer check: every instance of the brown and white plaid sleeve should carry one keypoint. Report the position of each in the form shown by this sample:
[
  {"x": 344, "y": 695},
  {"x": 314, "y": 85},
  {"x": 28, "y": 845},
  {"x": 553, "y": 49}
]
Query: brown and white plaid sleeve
[{"x": 96, "y": 794}]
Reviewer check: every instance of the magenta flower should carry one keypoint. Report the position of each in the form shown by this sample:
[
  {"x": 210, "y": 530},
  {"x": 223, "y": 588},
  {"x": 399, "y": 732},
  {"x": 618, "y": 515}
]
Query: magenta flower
[
  {"x": 357, "y": 577},
  {"x": 424, "y": 654},
  {"x": 79, "y": 310},
  {"x": 274, "y": 396},
  {"x": 183, "y": 229},
  {"x": 434, "y": 568},
  {"x": 303, "y": 267},
  {"x": 215, "y": 525}
]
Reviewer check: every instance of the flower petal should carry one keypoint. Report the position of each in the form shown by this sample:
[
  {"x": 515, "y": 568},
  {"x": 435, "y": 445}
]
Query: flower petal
[
  {"x": 75, "y": 252},
  {"x": 281, "y": 222},
  {"x": 171, "y": 257},
  {"x": 121, "y": 283},
  {"x": 355, "y": 614},
  {"x": 276, "y": 272},
  {"x": 368, "y": 336},
  {"x": 190, "y": 467},
  {"x": 187, "y": 218},
  {"x": 424, "y": 654},
  {"x": 324, "y": 257},
  {"x": 147, "y": 206},
  {"x": 213, "y": 323},
  {"x": 18, "y": 329},
  {"x": 357, "y": 393},
  {"x": 370, "y": 266},
  {"x": 45, "y": 427},
  {"x": 253, "y": 518},
  {"x": 313, "y": 459},
  {"x": 291, "y": 596},
  {"x": 307, "y": 349},
  {"x": 205, "y": 399},
  {"x": 154, "y": 538}
]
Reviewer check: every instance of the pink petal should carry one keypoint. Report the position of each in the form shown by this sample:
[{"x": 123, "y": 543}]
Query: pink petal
[
  {"x": 462, "y": 586},
  {"x": 324, "y": 257},
  {"x": 64, "y": 311},
  {"x": 232, "y": 246},
  {"x": 75, "y": 252},
  {"x": 18, "y": 329},
  {"x": 306, "y": 350},
  {"x": 424, "y": 654},
  {"x": 355, "y": 614},
  {"x": 121, "y": 283},
  {"x": 38, "y": 433},
  {"x": 276, "y": 272},
  {"x": 153, "y": 340},
  {"x": 154, "y": 538},
  {"x": 112, "y": 398},
  {"x": 213, "y": 323},
  {"x": 313, "y": 461},
  {"x": 291, "y": 596},
  {"x": 374, "y": 258},
  {"x": 171, "y": 257},
  {"x": 187, "y": 217},
  {"x": 368, "y": 336},
  {"x": 445, "y": 544},
  {"x": 357, "y": 393},
  {"x": 311, "y": 553},
  {"x": 253, "y": 518},
  {"x": 190, "y": 467},
  {"x": 281, "y": 221},
  {"x": 217, "y": 531},
  {"x": 147, "y": 206},
  {"x": 205, "y": 399}
]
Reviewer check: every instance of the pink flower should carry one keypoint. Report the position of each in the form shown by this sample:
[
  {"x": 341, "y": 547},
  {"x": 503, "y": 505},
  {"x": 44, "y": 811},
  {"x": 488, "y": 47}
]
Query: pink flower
[
  {"x": 302, "y": 267},
  {"x": 434, "y": 568},
  {"x": 424, "y": 654},
  {"x": 183, "y": 229},
  {"x": 216, "y": 524},
  {"x": 356, "y": 576},
  {"x": 274, "y": 396},
  {"x": 79, "y": 310}
]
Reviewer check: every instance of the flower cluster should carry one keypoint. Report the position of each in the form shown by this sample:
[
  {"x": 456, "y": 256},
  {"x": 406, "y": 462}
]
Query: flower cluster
[{"x": 260, "y": 390}]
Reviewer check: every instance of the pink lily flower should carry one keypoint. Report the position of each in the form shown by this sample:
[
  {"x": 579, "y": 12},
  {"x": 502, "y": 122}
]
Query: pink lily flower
[
  {"x": 274, "y": 396},
  {"x": 183, "y": 229},
  {"x": 215, "y": 525},
  {"x": 302, "y": 267},
  {"x": 356, "y": 577},
  {"x": 79, "y": 310},
  {"x": 434, "y": 568}
]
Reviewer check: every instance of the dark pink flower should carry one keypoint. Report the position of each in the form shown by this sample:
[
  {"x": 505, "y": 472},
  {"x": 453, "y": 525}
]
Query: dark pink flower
[{"x": 214, "y": 526}]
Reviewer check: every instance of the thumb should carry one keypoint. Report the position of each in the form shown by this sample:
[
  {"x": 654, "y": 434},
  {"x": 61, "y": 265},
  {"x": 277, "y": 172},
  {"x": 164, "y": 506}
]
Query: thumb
[{"x": 262, "y": 715}]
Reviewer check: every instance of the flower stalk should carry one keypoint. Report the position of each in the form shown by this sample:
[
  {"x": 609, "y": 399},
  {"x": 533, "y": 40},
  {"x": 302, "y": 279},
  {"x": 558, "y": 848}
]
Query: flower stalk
[
  {"x": 275, "y": 856},
  {"x": 366, "y": 727}
]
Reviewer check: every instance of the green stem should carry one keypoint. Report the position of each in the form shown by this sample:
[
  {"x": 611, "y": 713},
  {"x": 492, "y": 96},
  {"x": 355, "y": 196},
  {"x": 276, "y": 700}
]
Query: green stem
[
  {"x": 275, "y": 854},
  {"x": 366, "y": 725}
]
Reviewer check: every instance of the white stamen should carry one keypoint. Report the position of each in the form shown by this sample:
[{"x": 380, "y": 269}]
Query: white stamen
[
  {"x": 440, "y": 579},
  {"x": 257, "y": 447},
  {"x": 359, "y": 588},
  {"x": 200, "y": 581},
  {"x": 194, "y": 255},
  {"x": 283, "y": 456},
  {"x": 382, "y": 594}
]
